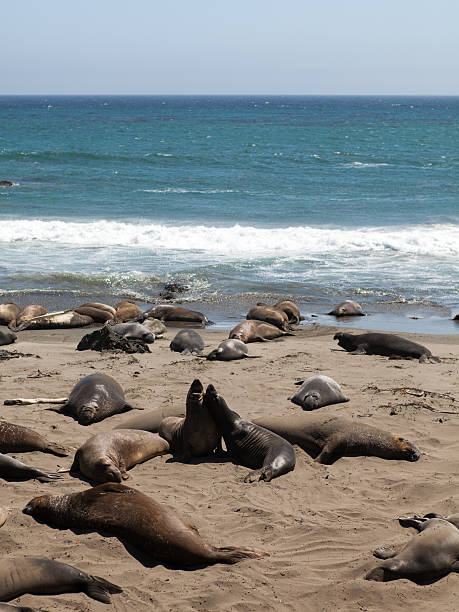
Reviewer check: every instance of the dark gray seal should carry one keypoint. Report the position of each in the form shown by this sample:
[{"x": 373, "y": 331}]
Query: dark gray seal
[
  {"x": 388, "y": 345},
  {"x": 348, "y": 308},
  {"x": 19, "y": 439},
  {"x": 248, "y": 444},
  {"x": 7, "y": 337},
  {"x": 151, "y": 419},
  {"x": 318, "y": 391},
  {"x": 134, "y": 331},
  {"x": 328, "y": 439},
  {"x": 230, "y": 349},
  {"x": 47, "y": 577},
  {"x": 94, "y": 398},
  {"x": 257, "y": 331},
  {"x": 170, "y": 312},
  {"x": 12, "y": 469},
  {"x": 186, "y": 342}
]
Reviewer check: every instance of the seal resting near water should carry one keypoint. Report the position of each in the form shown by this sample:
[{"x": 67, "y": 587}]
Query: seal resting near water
[
  {"x": 150, "y": 420},
  {"x": 186, "y": 342},
  {"x": 8, "y": 313},
  {"x": 100, "y": 315},
  {"x": 63, "y": 319},
  {"x": 47, "y": 577},
  {"x": 269, "y": 314},
  {"x": 19, "y": 439},
  {"x": 265, "y": 452},
  {"x": 348, "y": 308},
  {"x": 12, "y": 469},
  {"x": 290, "y": 309},
  {"x": 138, "y": 520},
  {"x": 328, "y": 439},
  {"x": 134, "y": 331},
  {"x": 156, "y": 326},
  {"x": 230, "y": 349},
  {"x": 388, "y": 345},
  {"x": 170, "y": 312},
  {"x": 430, "y": 555},
  {"x": 30, "y": 312},
  {"x": 196, "y": 435},
  {"x": 7, "y": 337},
  {"x": 127, "y": 311},
  {"x": 318, "y": 391},
  {"x": 257, "y": 331},
  {"x": 107, "y": 456},
  {"x": 94, "y": 398}
]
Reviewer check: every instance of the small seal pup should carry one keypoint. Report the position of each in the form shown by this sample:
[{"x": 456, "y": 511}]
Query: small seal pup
[
  {"x": 269, "y": 314},
  {"x": 230, "y": 349},
  {"x": 150, "y": 420},
  {"x": 3, "y": 516},
  {"x": 94, "y": 398},
  {"x": 256, "y": 331},
  {"x": 19, "y": 439},
  {"x": 186, "y": 342},
  {"x": 328, "y": 439},
  {"x": 249, "y": 444},
  {"x": 196, "y": 435},
  {"x": 348, "y": 308},
  {"x": 7, "y": 337},
  {"x": 107, "y": 456},
  {"x": 134, "y": 331},
  {"x": 430, "y": 555},
  {"x": 8, "y": 313},
  {"x": 388, "y": 345},
  {"x": 170, "y": 312},
  {"x": 318, "y": 391},
  {"x": 137, "y": 519},
  {"x": 47, "y": 577},
  {"x": 12, "y": 469}
]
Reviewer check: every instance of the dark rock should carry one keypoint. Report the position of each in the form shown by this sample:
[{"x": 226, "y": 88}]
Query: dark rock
[{"x": 105, "y": 339}]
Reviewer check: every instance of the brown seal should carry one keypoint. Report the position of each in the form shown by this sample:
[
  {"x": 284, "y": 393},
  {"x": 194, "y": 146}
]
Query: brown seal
[
  {"x": 196, "y": 435},
  {"x": 388, "y": 345},
  {"x": 3, "y": 516},
  {"x": 106, "y": 456},
  {"x": 99, "y": 306},
  {"x": 8, "y": 313},
  {"x": 12, "y": 469},
  {"x": 30, "y": 312},
  {"x": 138, "y": 520},
  {"x": 330, "y": 438},
  {"x": 98, "y": 314},
  {"x": 257, "y": 331},
  {"x": 348, "y": 308},
  {"x": 169, "y": 312},
  {"x": 19, "y": 439},
  {"x": 269, "y": 314},
  {"x": 150, "y": 420},
  {"x": 290, "y": 309},
  {"x": 47, "y": 577},
  {"x": 127, "y": 311}
]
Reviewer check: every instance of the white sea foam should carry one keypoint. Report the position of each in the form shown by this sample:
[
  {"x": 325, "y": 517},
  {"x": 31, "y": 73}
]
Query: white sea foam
[{"x": 238, "y": 241}]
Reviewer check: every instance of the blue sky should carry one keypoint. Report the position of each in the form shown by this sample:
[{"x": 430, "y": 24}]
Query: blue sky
[{"x": 231, "y": 47}]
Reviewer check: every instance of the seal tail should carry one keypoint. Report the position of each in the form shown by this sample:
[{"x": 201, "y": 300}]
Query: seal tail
[
  {"x": 234, "y": 554},
  {"x": 57, "y": 449},
  {"x": 100, "y": 589}
]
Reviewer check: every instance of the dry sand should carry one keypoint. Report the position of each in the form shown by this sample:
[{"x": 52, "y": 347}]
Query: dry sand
[{"x": 319, "y": 523}]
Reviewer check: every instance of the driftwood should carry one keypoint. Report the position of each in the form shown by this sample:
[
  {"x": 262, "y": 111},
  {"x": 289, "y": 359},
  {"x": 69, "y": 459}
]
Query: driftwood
[
  {"x": 105, "y": 339},
  {"x": 4, "y": 354},
  {"x": 20, "y": 401}
]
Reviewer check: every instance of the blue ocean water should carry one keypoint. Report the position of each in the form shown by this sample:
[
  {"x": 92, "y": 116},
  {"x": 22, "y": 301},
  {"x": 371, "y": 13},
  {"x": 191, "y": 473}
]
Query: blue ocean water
[{"x": 239, "y": 198}]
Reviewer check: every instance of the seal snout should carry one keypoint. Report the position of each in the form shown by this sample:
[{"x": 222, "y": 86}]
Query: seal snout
[{"x": 28, "y": 509}]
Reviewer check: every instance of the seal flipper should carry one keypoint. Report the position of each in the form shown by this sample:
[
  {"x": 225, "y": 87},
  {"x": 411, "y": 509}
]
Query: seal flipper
[
  {"x": 360, "y": 350},
  {"x": 329, "y": 454},
  {"x": 385, "y": 552},
  {"x": 57, "y": 449},
  {"x": 99, "y": 589},
  {"x": 233, "y": 554}
]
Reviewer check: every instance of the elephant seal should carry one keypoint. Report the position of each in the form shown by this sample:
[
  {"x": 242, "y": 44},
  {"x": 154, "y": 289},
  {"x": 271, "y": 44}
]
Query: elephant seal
[
  {"x": 99, "y": 306},
  {"x": 388, "y": 345},
  {"x": 269, "y": 314},
  {"x": 430, "y": 555},
  {"x": 196, "y": 435},
  {"x": 186, "y": 342},
  {"x": 150, "y": 421},
  {"x": 64, "y": 319},
  {"x": 5, "y": 183},
  {"x": 138, "y": 520},
  {"x": 19, "y": 439},
  {"x": 134, "y": 331},
  {"x": 291, "y": 310},
  {"x": 30, "y": 312},
  {"x": 127, "y": 311},
  {"x": 3, "y": 516},
  {"x": 8, "y": 313},
  {"x": 170, "y": 312},
  {"x": 156, "y": 326},
  {"x": 7, "y": 337},
  {"x": 328, "y": 439},
  {"x": 107, "y": 456},
  {"x": 251, "y": 445},
  {"x": 348, "y": 308},
  {"x": 256, "y": 331},
  {"x": 99, "y": 315},
  {"x": 318, "y": 391},
  {"x": 47, "y": 577},
  {"x": 230, "y": 349},
  {"x": 12, "y": 469},
  {"x": 94, "y": 398}
]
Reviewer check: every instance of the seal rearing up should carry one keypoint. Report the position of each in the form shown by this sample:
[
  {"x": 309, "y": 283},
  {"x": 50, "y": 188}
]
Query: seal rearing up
[{"x": 249, "y": 444}]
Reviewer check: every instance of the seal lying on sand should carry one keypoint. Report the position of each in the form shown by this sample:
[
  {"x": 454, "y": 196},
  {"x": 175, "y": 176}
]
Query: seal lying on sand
[
  {"x": 249, "y": 444},
  {"x": 186, "y": 342},
  {"x": 138, "y": 520},
  {"x": 100, "y": 315},
  {"x": 134, "y": 331},
  {"x": 8, "y": 313},
  {"x": 106, "y": 456},
  {"x": 30, "y": 312},
  {"x": 7, "y": 337},
  {"x": 231, "y": 349},
  {"x": 169, "y": 312},
  {"x": 156, "y": 326},
  {"x": 127, "y": 311},
  {"x": 269, "y": 314},
  {"x": 328, "y": 439},
  {"x": 257, "y": 331},
  {"x": 318, "y": 391},
  {"x": 63, "y": 319},
  {"x": 430, "y": 555},
  {"x": 388, "y": 345},
  {"x": 18, "y": 439},
  {"x": 348, "y": 308},
  {"x": 196, "y": 435},
  {"x": 47, "y": 577},
  {"x": 12, "y": 469},
  {"x": 290, "y": 309},
  {"x": 151, "y": 419}
]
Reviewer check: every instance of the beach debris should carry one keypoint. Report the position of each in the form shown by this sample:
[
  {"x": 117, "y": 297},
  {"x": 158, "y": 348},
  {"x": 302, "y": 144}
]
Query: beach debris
[
  {"x": 4, "y": 354},
  {"x": 21, "y": 401},
  {"x": 105, "y": 339}
]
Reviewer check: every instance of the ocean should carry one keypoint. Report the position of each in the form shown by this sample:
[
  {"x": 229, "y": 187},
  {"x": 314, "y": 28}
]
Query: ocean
[{"x": 239, "y": 198}]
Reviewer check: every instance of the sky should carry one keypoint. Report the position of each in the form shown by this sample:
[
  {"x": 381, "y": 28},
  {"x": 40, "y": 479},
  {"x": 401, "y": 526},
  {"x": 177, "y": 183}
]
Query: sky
[{"x": 230, "y": 47}]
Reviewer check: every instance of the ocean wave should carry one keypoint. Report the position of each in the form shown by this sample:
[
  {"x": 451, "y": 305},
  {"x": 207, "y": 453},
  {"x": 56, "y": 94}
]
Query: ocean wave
[
  {"x": 184, "y": 190},
  {"x": 239, "y": 242}
]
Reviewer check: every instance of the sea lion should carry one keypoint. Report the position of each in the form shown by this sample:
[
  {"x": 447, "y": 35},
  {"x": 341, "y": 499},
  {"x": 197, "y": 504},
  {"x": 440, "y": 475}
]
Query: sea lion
[
  {"x": 48, "y": 577},
  {"x": 8, "y": 313},
  {"x": 256, "y": 331},
  {"x": 134, "y": 331},
  {"x": 196, "y": 435},
  {"x": 389, "y": 345},
  {"x": 19, "y": 439},
  {"x": 291, "y": 310},
  {"x": 63, "y": 319},
  {"x": 156, "y": 326},
  {"x": 138, "y": 520},
  {"x": 269, "y": 314},
  {"x": 170, "y": 312},
  {"x": 107, "y": 456},
  {"x": 12, "y": 469},
  {"x": 330, "y": 438},
  {"x": 150, "y": 421},
  {"x": 97, "y": 314},
  {"x": 3, "y": 516},
  {"x": 127, "y": 311},
  {"x": 318, "y": 391},
  {"x": 94, "y": 398},
  {"x": 7, "y": 337},
  {"x": 430, "y": 555},
  {"x": 186, "y": 342},
  {"x": 230, "y": 349},
  {"x": 250, "y": 444},
  {"x": 348, "y": 308}
]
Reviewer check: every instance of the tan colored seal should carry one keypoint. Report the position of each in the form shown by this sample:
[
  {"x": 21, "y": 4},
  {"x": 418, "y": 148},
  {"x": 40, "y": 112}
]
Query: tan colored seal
[
  {"x": 127, "y": 311},
  {"x": 99, "y": 315},
  {"x": 269, "y": 314},
  {"x": 30, "y": 312},
  {"x": 8, "y": 313},
  {"x": 19, "y": 439},
  {"x": 257, "y": 331}
]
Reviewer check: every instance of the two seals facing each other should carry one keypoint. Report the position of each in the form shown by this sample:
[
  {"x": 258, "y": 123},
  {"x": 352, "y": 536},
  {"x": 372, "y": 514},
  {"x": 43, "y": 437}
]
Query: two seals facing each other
[
  {"x": 388, "y": 345},
  {"x": 318, "y": 391}
]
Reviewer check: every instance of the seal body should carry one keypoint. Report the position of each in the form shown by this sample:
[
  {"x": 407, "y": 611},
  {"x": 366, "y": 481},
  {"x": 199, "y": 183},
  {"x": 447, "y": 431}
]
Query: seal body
[
  {"x": 256, "y": 331},
  {"x": 7, "y": 337},
  {"x": 106, "y": 457},
  {"x": 269, "y": 314},
  {"x": 186, "y": 342},
  {"x": 99, "y": 306},
  {"x": 4, "y": 607},
  {"x": 47, "y": 577},
  {"x": 389, "y": 345},
  {"x": 150, "y": 420},
  {"x": 318, "y": 391},
  {"x": 348, "y": 308},
  {"x": 249, "y": 444},
  {"x": 196, "y": 435},
  {"x": 19, "y": 439},
  {"x": 170, "y": 312},
  {"x": 137, "y": 519},
  {"x": 228, "y": 350},
  {"x": 127, "y": 311},
  {"x": 8, "y": 313},
  {"x": 99, "y": 315},
  {"x": 63, "y": 319},
  {"x": 291, "y": 310},
  {"x": 12, "y": 469},
  {"x": 134, "y": 331},
  {"x": 329, "y": 439},
  {"x": 156, "y": 326},
  {"x": 30, "y": 312},
  {"x": 94, "y": 398}
]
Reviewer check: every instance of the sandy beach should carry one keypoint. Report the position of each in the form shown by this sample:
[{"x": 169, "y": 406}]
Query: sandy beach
[{"x": 319, "y": 523}]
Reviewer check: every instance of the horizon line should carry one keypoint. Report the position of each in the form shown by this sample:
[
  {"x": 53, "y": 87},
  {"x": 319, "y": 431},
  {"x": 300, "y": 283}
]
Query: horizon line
[{"x": 222, "y": 95}]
